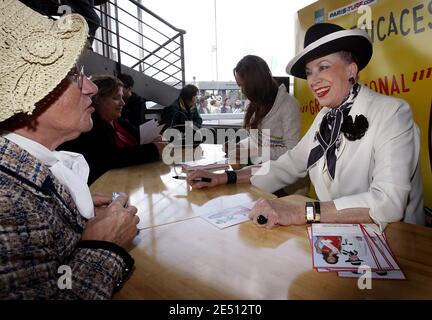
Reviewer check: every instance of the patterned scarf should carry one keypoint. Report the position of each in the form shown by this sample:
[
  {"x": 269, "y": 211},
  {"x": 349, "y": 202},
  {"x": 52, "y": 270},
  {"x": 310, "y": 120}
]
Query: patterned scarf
[{"x": 329, "y": 132}]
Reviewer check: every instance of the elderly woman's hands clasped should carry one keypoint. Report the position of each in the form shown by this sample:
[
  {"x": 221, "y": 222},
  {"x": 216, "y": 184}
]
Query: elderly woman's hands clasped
[{"x": 113, "y": 223}]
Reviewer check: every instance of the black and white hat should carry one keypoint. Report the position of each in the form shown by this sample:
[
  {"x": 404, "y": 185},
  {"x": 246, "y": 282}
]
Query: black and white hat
[{"x": 325, "y": 38}]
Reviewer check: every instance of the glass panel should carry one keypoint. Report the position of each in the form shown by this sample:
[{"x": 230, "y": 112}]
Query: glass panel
[{"x": 221, "y": 103}]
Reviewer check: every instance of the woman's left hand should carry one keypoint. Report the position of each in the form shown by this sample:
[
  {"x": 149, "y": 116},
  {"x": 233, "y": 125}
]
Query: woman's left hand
[{"x": 277, "y": 213}]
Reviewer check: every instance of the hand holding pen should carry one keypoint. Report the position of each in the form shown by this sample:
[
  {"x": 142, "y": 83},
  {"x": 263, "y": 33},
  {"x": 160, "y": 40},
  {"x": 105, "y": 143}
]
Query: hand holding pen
[{"x": 202, "y": 178}]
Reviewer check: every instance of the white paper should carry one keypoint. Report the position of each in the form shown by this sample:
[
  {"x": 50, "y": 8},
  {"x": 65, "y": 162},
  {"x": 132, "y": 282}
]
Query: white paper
[
  {"x": 249, "y": 205},
  {"x": 384, "y": 255},
  {"x": 228, "y": 217},
  {"x": 204, "y": 164},
  {"x": 149, "y": 131}
]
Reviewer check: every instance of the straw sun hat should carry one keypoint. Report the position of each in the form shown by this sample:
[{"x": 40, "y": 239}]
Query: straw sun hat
[
  {"x": 36, "y": 54},
  {"x": 325, "y": 38}
]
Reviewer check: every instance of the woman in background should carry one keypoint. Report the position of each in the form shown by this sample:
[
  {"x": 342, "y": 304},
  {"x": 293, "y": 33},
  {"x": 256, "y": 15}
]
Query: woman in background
[
  {"x": 111, "y": 143},
  {"x": 226, "y": 107},
  {"x": 271, "y": 107}
]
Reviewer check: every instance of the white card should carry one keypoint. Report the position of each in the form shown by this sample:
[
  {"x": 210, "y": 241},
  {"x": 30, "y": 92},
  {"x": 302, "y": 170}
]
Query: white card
[{"x": 228, "y": 217}]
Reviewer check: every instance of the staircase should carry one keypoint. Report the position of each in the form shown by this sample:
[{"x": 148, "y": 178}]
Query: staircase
[{"x": 136, "y": 41}]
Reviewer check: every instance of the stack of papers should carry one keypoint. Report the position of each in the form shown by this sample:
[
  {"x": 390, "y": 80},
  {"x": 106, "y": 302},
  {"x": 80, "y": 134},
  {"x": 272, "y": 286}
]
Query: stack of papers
[
  {"x": 205, "y": 164},
  {"x": 351, "y": 250},
  {"x": 149, "y": 131}
]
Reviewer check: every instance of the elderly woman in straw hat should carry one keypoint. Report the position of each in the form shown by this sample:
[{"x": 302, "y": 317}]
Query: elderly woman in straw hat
[
  {"x": 56, "y": 240},
  {"x": 361, "y": 152}
]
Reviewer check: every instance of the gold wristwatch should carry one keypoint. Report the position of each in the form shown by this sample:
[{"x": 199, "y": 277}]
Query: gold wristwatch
[{"x": 313, "y": 212}]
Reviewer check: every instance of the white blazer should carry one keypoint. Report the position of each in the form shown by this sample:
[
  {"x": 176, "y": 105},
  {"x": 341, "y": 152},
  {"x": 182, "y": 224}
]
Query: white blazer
[
  {"x": 381, "y": 171},
  {"x": 283, "y": 121}
]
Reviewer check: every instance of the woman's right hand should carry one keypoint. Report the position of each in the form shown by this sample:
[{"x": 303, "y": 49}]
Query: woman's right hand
[
  {"x": 216, "y": 179},
  {"x": 113, "y": 223}
]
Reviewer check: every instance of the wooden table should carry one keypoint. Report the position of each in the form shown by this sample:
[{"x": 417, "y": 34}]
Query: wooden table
[{"x": 181, "y": 256}]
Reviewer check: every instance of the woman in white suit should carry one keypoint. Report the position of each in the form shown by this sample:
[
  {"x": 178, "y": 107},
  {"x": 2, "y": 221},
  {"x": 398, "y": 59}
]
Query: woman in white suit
[{"x": 361, "y": 152}]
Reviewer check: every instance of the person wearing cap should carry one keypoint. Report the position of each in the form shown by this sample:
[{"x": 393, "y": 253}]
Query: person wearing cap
[
  {"x": 361, "y": 151},
  {"x": 57, "y": 240}
]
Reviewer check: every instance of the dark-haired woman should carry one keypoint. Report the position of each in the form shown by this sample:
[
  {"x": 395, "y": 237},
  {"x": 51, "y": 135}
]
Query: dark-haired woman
[{"x": 270, "y": 107}]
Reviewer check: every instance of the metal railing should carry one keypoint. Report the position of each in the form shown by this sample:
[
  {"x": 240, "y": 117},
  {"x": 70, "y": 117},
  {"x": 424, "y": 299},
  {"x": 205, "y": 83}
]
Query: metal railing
[
  {"x": 136, "y": 37},
  {"x": 224, "y": 119},
  {"x": 131, "y": 35}
]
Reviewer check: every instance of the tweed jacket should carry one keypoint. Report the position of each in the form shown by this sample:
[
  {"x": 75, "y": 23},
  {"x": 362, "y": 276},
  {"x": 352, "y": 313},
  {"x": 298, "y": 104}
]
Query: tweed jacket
[
  {"x": 40, "y": 228},
  {"x": 379, "y": 172}
]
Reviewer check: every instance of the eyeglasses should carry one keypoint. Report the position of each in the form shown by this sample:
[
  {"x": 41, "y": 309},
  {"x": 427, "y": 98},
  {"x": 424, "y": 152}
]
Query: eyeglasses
[{"x": 77, "y": 75}]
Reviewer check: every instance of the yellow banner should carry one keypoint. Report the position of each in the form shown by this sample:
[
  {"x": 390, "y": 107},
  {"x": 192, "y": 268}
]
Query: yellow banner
[{"x": 401, "y": 64}]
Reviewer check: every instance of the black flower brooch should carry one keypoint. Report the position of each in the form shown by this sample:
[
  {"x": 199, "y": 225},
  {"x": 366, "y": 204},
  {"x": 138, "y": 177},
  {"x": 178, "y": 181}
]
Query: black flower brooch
[{"x": 354, "y": 130}]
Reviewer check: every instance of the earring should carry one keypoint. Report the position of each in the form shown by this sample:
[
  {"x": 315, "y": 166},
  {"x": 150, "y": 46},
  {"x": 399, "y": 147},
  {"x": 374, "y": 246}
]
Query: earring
[{"x": 351, "y": 80}]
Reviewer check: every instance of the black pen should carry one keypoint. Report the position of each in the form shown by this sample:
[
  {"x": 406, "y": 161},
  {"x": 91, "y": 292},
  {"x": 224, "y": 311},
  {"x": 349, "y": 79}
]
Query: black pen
[{"x": 202, "y": 179}]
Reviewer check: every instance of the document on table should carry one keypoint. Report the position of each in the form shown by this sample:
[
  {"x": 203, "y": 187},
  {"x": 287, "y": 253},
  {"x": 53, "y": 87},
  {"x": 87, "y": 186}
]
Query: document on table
[
  {"x": 352, "y": 247},
  {"x": 230, "y": 216},
  {"x": 149, "y": 131},
  {"x": 205, "y": 164}
]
